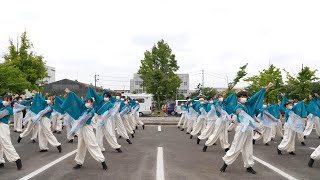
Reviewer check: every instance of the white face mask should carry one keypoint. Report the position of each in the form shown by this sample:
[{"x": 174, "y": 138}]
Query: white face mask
[
  {"x": 202, "y": 102},
  {"x": 295, "y": 104},
  {"x": 5, "y": 103},
  {"x": 118, "y": 97},
  {"x": 190, "y": 104},
  {"x": 220, "y": 99},
  {"x": 181, "y": 105},
  {"x": 48, "y": 101},
  {"x": 243, "y": 100},
  {"x": 88, "y": 105},
  {"x": 211, "y": 101},
  {"x": 188, "y": 99},
  {"x": 106, "y": 99},
  {"x": 126, "y": 102},
  {"x": 289, "y": 107},
  {"x": 264, "y": 106},
  {"x": 20, "y": 100},
  {"x": 137, "y": 102}
]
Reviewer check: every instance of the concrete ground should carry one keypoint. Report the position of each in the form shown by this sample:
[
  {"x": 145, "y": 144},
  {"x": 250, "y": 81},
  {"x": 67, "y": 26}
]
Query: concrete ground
[{"x": 183, "y": 159}]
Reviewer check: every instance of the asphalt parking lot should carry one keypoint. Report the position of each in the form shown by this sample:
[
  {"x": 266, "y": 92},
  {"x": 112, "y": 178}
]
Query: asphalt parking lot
[{"x": 155, "y": 154}]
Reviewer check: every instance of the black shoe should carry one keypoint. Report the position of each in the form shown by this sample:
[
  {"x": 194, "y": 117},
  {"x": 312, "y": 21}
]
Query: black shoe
[
  {"x": 250, "y": 170},
  {"x": 134, "y": 131},
  {"x": 253, "y": 141},
  {"x": 303, "y": 144},
  {"x": 183, "y": 130},
  {"x": 198, "y": 141},
  {"x": 214, "y": 144},
  {"x": 191, "y": 137},
  {"x": 19, "y": 164},
  {"x": 271, "y": 139},
  {"x": 104, "y": 165},
  {"x": 62, "y": 127},
  {"x": 70, "y": 141},
  {"x": 143, "y": 127},
  {"x": 19, "y": 139},
  {"x": 75, "y": 136},
  {"x": 226, "y": 150},
  {"x": 279, "y": 151},
  {"x": 128, "y": 140},
  {"x": 59, "y": 148},
  {"x": 59, "y": 132},
  {"x": 132, "y": 135},
  {"x": 54, "y": 132},
  {"x": 281, "y": 137},
  {"x": 304, "y": 137},
  {"x": 178, "y": 127},
  {"x": 292, "y": 153},
  {"x": 136, "y": 127},
  {"x": 224, "y": 167},
  {"x": 44, "y": 150},
  {"x": 310, "y": 163},
  {"x": 319, "y": 137},
  {"x": 78, "y": 166},
  {"x": 1, "y": 165},
  {"x": 15, "y": 131},
  {"x": 266, "y": 144},
  {"x": 187, "y": 133},
  {"x": 204, "y": 149},
  {"x": 119, "y": 150},
  {"x": 34, "y": 141},
  {"x": 22, "y": 126},
  {"x": 120, "y": 137}
]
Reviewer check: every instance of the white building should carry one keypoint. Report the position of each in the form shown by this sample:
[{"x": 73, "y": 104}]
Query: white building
[
  {"x": 136, "y": 82},
  {"x": 51, "y": 75}
]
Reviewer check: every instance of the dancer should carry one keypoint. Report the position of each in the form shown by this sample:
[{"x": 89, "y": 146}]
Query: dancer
[
  {"x": 242, "y": 142},
  {"x": 201, "y": 121},
  {"x": 293, "y": 115},
  {"x": 224, "y": 108},
  {"x": 6, "y": 146},
  {"x": 83, "y": 113}
]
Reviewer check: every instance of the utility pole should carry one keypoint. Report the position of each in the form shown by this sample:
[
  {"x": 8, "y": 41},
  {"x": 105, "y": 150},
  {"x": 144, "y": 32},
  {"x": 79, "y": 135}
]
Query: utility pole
[
  {"x": 95, "y": 80},
  {"x": 202, "y": 78}
]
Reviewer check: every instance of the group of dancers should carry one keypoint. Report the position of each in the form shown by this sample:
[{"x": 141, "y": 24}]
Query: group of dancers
[
  {"x": 88, "y": 119},
  {"x": 252, "y": 119}
]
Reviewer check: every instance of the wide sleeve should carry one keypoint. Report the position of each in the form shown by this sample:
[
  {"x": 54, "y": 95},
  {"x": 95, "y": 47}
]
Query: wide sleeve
[
  {"x": 300, "y": 109},
  {"x": 230, "y": 103},
  {"x": 73, "y": 105},
  {"x": 255, "y": 102}
]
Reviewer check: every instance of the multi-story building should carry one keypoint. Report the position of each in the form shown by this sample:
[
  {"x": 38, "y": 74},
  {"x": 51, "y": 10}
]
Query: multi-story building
[
  {"x": 136, "y": 82},
  {"x": 51, "y": 75}
]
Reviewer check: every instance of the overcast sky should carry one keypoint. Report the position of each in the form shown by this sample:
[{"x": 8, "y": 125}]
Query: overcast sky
[{"x": 81, "y": 38}]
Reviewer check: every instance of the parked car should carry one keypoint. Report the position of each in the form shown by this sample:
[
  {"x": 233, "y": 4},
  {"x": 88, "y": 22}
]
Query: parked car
[{"x": 171, "y": 108}]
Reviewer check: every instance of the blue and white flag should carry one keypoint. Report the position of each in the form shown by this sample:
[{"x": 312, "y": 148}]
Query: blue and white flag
[
  {"x": 295, "y": 122},
  {"x": 246, "y": 120}
]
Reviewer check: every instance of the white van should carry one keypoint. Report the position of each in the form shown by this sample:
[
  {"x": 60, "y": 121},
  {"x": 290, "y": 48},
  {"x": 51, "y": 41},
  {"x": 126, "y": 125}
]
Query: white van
[
  {"x": 178, "y": 103},
  {"x": 145, "y": 101}
]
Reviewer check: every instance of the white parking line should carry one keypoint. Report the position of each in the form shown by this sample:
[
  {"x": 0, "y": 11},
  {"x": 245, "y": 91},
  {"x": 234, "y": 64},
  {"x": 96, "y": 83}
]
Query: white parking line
[
  {"x": 312, "y": 148},
  {"x": 285, "y": 175},
  {"x": 160, "y": 171},
  {"x": 47, "y": 166},
  {"x": 159, "y": 128}
]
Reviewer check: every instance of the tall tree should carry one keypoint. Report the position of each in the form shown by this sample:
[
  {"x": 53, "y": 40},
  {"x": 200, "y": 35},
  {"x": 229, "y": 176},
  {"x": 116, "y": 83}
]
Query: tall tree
[
  {"x": 302, "y": 82},
  {"x": 23, "y": 58},
  {"x": 240, "y": 74},
  {"x": 158, "y": 72},
  {"x": 272, "y": 74},
  {"x": 209, "y": 92},
  {"x": 12, "y": 80}
]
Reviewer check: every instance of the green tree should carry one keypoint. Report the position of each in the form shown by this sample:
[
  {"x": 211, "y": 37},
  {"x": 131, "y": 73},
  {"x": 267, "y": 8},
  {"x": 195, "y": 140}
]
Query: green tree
[
  {"x": 240, "y": 74},
  {"x": 12, "y": 80},
  {"x": 302, "y": 83},
  {"x": 315, "y": 87},
  {"x": 272, "y": 74},
  {"x": 158, "y": 72},
  {"x": 30, "y": 64},
  {"x": 209, "y": 92}
]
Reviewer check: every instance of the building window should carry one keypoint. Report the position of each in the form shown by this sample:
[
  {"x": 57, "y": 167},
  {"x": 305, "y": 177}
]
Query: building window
[
  {"x": 138, "y": 82},
  {"x": 185, "y": 83}
]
